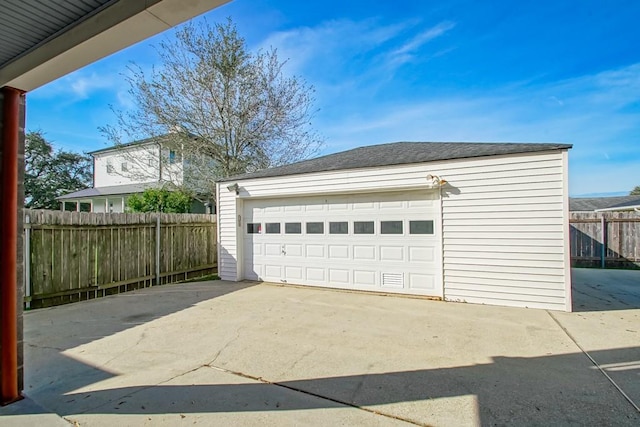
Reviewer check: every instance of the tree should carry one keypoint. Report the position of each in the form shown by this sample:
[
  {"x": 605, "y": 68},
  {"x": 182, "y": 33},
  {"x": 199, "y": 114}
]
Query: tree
[
  {"x": 160, "y": 200},
  {"x": 635, "y": 191},
  {"x": 50, "y": 173},
  {"x": 225, "y": 109}
]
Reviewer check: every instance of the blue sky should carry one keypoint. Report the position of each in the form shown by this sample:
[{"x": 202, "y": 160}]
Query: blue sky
[{"x": 526, "y": 71}]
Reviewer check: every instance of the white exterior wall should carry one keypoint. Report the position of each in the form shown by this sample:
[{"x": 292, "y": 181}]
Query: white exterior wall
[
  {"x": 172, "y": 172},
  {"x": 137, "y": 159},
  {"x": 142, "y": 163},
  {"x": 505, "y": 222}
]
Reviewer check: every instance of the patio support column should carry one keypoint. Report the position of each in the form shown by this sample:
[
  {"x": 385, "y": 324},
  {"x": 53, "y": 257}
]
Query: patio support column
[{"x": 12, "y": 134}]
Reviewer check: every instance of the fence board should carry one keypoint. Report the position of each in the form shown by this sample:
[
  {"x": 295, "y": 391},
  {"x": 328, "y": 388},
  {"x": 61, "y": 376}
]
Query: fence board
[
  {"x": 79, "y": 255},
  {"x": 622, "y": 239}
]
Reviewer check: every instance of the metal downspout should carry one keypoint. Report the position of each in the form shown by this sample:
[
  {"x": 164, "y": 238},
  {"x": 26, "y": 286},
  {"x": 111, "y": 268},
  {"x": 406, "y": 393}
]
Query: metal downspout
[{"x": 9, "y": 247}]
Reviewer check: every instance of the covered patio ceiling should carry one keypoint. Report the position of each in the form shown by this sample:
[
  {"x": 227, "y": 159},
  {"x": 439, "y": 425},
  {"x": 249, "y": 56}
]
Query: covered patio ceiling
[{"x": 42, "y": 40}]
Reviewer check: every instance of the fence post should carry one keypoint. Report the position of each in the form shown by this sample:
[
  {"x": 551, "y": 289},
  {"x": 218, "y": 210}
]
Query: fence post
[
  {"x": 603, "y": 237},
  {"x": 27, "y": 259},
  {"x": 157, "y": 249}
]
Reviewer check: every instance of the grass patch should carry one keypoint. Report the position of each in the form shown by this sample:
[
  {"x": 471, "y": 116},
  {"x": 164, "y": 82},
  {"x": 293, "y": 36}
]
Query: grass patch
[{"x": 201, "y": 278}]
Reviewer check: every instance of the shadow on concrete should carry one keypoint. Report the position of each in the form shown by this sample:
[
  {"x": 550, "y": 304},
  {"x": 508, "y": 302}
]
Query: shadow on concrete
[
  {"x": 79, "y": 323},
  {"x": 605, "y": 289},
  {"x": 562, "y": 389},
  {"x": 552, "y": 390}
]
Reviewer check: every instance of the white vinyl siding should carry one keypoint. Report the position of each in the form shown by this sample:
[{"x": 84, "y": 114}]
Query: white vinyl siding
[
  {"x": 504, "y": 233},
  {"x": 504, "y": 229},
  {"x": 227, "y": 230}
]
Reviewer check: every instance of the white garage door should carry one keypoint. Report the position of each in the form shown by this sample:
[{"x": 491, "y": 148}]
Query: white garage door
[{"x": 387, "y": 242}]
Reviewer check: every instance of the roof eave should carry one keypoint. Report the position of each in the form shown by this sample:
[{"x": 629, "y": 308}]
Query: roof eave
[{"x": 620, "y": 209}]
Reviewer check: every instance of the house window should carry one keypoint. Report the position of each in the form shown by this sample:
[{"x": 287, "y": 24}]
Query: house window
[
  {"x": 150, "y": 162},
  {"x": 124, "y": 167},
  {"x": 341, "y": 227},
  {"x": 421, "y": 227},
  {"x": 363, "y": 227},
  {"x": 293, "y": 228},
  {"x": 390, "y": 227},
  {"x": 272, "y": 228},
  {"x": 315, "y": 228},
  {"x": 172, "y": 156},
  {"x": 110, "y": 169}
]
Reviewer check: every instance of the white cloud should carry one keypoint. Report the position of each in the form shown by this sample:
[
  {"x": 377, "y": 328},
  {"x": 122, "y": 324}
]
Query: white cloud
[
  {"x": 329, "y": 43},
  {"x": 407, "y": 51},
  {"x": 78, "y": 86}
]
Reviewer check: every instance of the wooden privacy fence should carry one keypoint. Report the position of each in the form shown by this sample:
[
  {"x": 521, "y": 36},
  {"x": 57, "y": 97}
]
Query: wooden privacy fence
[
  {"x": 605, "y": 239},
  {"x": 70, "y": 256}
]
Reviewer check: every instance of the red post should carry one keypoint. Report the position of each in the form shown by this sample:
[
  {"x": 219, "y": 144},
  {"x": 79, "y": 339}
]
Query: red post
[{"x": 9, "y": 247}]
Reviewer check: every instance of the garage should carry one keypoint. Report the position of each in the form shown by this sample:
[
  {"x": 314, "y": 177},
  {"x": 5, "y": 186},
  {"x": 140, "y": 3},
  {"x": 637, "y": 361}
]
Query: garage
[
  {"x": 468, "y": 222},
  {"x": 380, "y": 242}
]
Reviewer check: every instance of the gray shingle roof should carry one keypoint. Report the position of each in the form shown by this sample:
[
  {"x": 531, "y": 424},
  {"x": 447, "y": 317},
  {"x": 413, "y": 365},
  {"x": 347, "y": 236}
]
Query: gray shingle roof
[
  {"x": 156, "y": 140},
  {"x": 114, "y": 190},
  {"x": 399, "y": 153},
  {"x": 594, "y": 203},
  {"x": 161, "y": 139}
]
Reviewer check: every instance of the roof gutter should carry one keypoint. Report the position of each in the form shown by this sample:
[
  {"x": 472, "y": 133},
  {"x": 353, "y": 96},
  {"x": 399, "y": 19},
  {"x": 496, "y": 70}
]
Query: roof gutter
[{"x": 635, "y": 208}]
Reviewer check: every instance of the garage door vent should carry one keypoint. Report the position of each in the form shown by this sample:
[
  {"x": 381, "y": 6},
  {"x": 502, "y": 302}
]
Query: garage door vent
[{"x": 395, "y": 280}]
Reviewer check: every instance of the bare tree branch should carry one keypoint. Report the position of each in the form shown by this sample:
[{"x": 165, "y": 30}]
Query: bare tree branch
[{"x": 229, "y": 110}]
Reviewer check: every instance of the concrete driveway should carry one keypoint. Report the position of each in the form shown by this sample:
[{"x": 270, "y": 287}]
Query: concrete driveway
[{"x": 220, "y": 353}]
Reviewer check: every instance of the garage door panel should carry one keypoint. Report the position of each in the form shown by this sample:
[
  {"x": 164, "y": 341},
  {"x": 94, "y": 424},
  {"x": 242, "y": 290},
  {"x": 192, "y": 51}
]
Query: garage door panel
[
  {"x": 391, "y": 253},
  {"x": 293, "y": 273},
  {"x": 294, "y": 250},
  {"x": 364, "y": 253},
  {"x": 315, "y": 251},
  {"x": 339, "y": 276},
  {"x": 364, "y": 278},
  {"x": 272, "y": 249},
  {"x": 421, "y": 281},
  {"x": 273, "y": 271},
  {"x": 257, "y": 249},
  {"x": 338, "y": 251},
  {"x": 402, "y": 263},
  {"x": 421, "y": 254},
  {"x": 316, "y": 275}
]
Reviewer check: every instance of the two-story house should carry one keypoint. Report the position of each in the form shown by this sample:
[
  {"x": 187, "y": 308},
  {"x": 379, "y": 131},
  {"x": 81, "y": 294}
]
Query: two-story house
[{"x": 126, "y": 169}]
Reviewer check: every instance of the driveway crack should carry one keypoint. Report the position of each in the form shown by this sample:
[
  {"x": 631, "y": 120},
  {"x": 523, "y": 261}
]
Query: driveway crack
[
  {"x": 224, "y": 347},
  {"x": 319, "y": 396},
  {"x": 586, "y": 353}
]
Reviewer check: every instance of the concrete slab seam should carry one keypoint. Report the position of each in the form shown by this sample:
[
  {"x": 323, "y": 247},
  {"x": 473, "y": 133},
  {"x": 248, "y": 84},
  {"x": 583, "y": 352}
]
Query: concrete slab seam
[
  {"x": 140, "y": 389},
  {"x": 595, "y": 363},
  {"x": 264, "y": 381}
]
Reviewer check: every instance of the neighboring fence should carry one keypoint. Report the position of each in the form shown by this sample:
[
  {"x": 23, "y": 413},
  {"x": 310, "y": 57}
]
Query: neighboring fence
[
  {"x": 619, "y": 231},
  {"x": 71, "y": 256}
]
